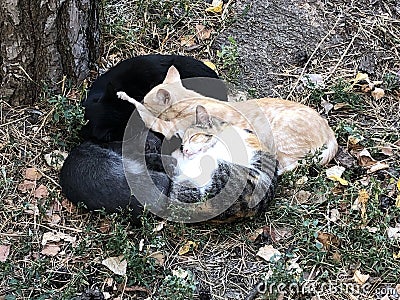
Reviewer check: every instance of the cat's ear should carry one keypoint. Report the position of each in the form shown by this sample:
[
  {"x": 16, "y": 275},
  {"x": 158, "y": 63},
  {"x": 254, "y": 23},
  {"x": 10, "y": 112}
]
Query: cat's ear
[
  {"x": 172, "y": 76},
  {"x": 163, "y": 96},
  {"x": 202, "y": 116}
]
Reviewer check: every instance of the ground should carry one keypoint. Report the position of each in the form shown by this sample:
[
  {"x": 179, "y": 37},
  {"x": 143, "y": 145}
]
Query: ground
[{"x": 337, "y": 239}]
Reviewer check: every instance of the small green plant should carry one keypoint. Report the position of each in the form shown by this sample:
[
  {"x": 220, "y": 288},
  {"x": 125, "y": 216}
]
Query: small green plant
[
  {"x": 228, "y": 56},
  {"x": 179, "y": 286},
  {"x": 67, "y": 115},
  {"x": 341, "y": 92},
  {"x": 391, "y": 82}
]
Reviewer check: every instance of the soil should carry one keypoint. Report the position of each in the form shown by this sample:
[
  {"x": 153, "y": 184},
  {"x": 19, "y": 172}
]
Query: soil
[{"x": 280, "y": 39}]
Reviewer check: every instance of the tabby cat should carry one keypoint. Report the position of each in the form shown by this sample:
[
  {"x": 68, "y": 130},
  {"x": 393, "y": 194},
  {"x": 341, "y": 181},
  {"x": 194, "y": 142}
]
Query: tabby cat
[
  {"x": 223, "y": 164},
  {"x": 296, "y": 129}
]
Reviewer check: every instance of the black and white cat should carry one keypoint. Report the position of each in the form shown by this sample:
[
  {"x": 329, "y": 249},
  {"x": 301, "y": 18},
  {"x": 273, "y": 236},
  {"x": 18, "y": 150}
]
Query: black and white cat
[{"x": 93, "y": 172}]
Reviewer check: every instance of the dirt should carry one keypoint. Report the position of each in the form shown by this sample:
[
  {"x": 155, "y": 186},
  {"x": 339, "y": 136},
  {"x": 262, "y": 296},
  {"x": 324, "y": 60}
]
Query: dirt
[{"x": 278, "y": 40}]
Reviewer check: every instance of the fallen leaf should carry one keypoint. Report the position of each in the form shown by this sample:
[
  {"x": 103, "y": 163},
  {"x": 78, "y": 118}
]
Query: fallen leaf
[
  {"x": 53, "y": 219},
  {"x": 4, "y": 252},
  {"x": 313, "y": 81},
  {"x": 50, "y": 250},
  {"x": 26, "y": 186},
  {"x": 362, "y": 199},
  {"x": 340, "y": 105},
  {"x": 360, "y": 278},
  {"x": 302, "y": 180},
  {"x": 216, "y": 6},
  {"x": 159, "y": 226},
  {"x": 136, "y": 288},
  {"x": 55, "y": 159},
  {"x": 372, "y": 229},
  {"x": 393, "y": 232},
  {"x": 398, "y": 185},
  {"x": 365, "y": 159},
  {"x": 268, "y": 233},
  {"x": 187, "y": 247},
  {"x": 41, "y": 192},
  {"x": 378, "y": 93},
  {"x": 302, "y": 196},
  {"x": 326, "y": 106},
  {"x": 328, "y": 240},
  {"x": 210, "y": 65},
  {"x": 354, "y": 140},
  {"x": 187, "y": 41},
  {"x": 159, "y": 257},
  {"x": 69, "y": 206},
  {"x": 32, "y": 174},
  {"x": 398, "y": 201},
  {"x": 360, "y": 77},
  {"x": 269, "y": 253},
  {"x": 334, "y": 173},
  {"x": 116, "y": 264},
  {"x": 396, "y": 255},
  {"x": 387, "y": 150},
  {"x": 202, "y": 32},
  {"x": 336, "y": 256},
  {"x": 56, "y": 237},
  {"x": 334, "y": 215},
  {"x": 377, "y": 167}
]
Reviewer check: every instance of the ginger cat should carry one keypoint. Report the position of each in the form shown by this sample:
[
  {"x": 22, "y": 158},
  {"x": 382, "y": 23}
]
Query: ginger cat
[{"x": 291, "y": 128}]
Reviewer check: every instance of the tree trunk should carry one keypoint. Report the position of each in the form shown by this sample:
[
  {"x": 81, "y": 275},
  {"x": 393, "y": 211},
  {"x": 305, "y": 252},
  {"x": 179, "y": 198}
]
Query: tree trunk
[{"x": 43, "y": 40}]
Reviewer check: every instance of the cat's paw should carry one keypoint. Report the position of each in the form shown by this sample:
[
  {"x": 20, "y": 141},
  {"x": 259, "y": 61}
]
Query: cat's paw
[{"x": 124, "y": 96}]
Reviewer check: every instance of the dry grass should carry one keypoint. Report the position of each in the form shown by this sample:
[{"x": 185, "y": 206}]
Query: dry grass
[{"x": 223, "y": 264}]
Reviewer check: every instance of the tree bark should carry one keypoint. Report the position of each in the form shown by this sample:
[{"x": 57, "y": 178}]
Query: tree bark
[{"x": 43, "y": 40}]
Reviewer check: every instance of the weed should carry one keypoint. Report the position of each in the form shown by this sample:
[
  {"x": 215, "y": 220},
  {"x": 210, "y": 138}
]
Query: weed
[
  {"x": 228, "y": 59},
  {"x": 180, "y": 286},
  {"x": 341, "y": 92},
  {"x": 391, "y": 82}
]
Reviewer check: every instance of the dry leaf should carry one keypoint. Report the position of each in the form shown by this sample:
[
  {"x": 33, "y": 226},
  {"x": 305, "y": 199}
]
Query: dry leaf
[
  {"x": 210, "y": 65},
  {"x": 187, "y": 41},
  {"x": 50, "y": 250},
  {"x": 365, "y": 159},
  {"x": 141, "y": 245},
  {"x": 269, "y": 253},
  {"x": 187, "y": 247},
  {"x": 69, "y": 206},
  {"x": 159, "y": 226},
  {"x": 56, "y": 237},
  {"x": 334, "y": 173},
  {"x": 362, "y": 200},
  {"x": 32, "y": 174},
  {"x": 159, "y": 257},
  {"x": 378, "y": 93},
  {"x": 302, "y": 196},
  {"x": 396, "y": 255},
  {"x": 377, "y": 167},
  {"x": 336, "y": 256},
  {"x": 105, "y": 226},
  {"x": 116, "y": 264},
  {"x": 360, "y": 278},
  {"x": 53, "y": 219},
  {"x": 334, "y": 215},
  {"x": 354, "y": 140},
  {"x": 398, "y": 201},
  {"x": 360, "y": 77},
  {"x": 202, "y": 32},
  {"x": 26, "y": 186},
  {"x": 4, "y": 252},
  {"x": 137, "y": 288},
  {"x": 394, "y": 232},
  {"x": 327, "y": 106},
  {"x": 398, "y": 185},
  {"x": 41, "y": 192},
  {"x": 328, "y": 240},
  {"x": 340, "y": 105},
  {"x": 216, "y": 6},
  {"x": 387, "y": 150}
]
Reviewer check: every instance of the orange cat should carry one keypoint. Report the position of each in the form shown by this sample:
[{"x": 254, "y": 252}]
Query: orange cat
[{"x": 291, "y": 128}]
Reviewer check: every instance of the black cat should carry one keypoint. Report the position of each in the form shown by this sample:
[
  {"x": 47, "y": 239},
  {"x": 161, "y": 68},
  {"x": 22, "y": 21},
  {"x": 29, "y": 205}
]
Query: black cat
[
  {"x": 108, "y": 115},
  {"x": 93, "y": 172}
]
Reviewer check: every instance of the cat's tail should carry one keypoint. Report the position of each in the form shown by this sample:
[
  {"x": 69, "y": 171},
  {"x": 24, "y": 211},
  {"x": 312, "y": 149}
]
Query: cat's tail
[{"x": 94, "y": 175}]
